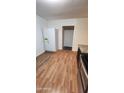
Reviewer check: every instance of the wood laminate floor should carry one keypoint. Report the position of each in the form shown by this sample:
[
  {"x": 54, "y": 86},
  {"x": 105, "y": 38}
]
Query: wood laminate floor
[{"x": 57, "y": 72}]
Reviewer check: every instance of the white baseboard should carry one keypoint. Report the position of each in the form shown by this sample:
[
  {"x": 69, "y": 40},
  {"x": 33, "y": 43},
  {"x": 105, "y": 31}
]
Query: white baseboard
[{"x": 40, "y": 53}]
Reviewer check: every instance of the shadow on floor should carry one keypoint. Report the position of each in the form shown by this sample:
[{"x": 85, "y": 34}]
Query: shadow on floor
[{"x": 67, "y": 48}]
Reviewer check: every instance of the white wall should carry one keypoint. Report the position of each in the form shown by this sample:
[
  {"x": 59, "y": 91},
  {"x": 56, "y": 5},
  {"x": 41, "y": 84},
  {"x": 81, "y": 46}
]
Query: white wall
[
  {"x": 81, "y": 33},
  {"x": 80, "y": 30},
  {"x": 41, "y": 25},
  {"x": 68, "y": 38},
  {"x": 50, "y": 44}
]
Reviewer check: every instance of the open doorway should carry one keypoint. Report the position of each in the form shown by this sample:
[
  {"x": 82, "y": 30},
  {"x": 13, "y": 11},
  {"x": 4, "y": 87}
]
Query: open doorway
[{"x": 68, "y": 32}]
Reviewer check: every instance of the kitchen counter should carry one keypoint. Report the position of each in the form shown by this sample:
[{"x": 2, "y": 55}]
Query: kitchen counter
[
  {"x": 82, "y": 61},
  {"x": 83, "y": 48}
]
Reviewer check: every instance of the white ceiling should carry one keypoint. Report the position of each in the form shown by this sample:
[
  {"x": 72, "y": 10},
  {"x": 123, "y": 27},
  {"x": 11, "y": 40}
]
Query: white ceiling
[{"x": 62, "y": 9}]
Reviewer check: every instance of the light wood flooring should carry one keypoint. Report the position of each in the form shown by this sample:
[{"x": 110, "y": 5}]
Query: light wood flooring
[{"x": 57, "y": 72}]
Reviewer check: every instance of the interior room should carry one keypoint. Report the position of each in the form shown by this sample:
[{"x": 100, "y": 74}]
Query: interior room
[{"x": 61, "y": 46}]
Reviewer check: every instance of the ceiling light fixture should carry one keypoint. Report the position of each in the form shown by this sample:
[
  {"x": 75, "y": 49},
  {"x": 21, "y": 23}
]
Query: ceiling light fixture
[{"x": 53, "y": 0}]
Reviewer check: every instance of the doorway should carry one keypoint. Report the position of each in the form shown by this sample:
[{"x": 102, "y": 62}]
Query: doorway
[{"x": 68, "y": 32}]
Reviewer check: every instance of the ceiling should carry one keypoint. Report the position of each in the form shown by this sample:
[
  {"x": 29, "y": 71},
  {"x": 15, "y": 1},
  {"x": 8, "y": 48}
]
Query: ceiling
[{"x": 62, "y": 9}]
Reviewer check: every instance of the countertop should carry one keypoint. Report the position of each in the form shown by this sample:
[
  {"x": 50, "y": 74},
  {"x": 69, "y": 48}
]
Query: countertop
[{"x": 83, "y": 48}]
